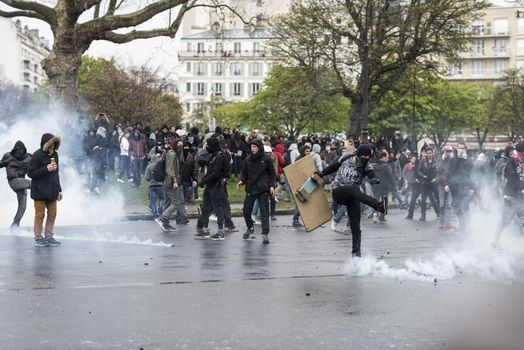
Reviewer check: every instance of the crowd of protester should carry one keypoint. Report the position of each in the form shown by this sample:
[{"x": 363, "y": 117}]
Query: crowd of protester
[{"x": 175, "y": 162}]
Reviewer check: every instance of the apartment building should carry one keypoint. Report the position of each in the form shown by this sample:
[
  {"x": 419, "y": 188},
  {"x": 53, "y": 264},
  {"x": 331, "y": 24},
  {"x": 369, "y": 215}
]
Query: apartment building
[
  {"x": 496, "y": 44},
  {"x": 22, "y": 55},
  {"x": 223, "y": 59}
]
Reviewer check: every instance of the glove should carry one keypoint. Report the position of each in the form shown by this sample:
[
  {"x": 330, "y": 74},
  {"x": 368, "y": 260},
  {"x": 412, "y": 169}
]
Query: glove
[{"x": 374, "y": 181}]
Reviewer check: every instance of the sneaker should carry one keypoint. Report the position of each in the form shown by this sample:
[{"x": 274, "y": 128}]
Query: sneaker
[
  {"x": 202, "y": 233},
  {"x": 422, "y": 218},
  {"x": 168, "y": 228},
  {"x": 52, "y": 242},
  {"x": 248, "y": 233},
  {"x": 333, "y": 225},
  {"x": 451, "y": 227},
  {"x": 442, "y": 227},
  {"x": 230, "y": 229},
  {"x": 370, "y": 216},
  {"x": 408, "y": 218},
  {"x": 375, "y": 218},
  {"x": 219, "y": 236},
  {"x": 297, "y": 224},
  {"x": 213, "y": 217},
  {"x": 14, "y": 227},
  {"x": 121, "y": 181},
  {"x": 129, "y": 180},
  {"x": 273, "y": 217},
  {"x": 356, "y": 255},
  {"x": 265, "y": 239},
  {"x": 41, "y": 243},
  {"x": 159, "y": 222},
  {"x": 183, "y": 222},
  {"x": 97, "y": 191}
]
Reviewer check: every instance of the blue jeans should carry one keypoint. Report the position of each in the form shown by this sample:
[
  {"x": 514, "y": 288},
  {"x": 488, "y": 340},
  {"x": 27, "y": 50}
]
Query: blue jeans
[
  {"x": 181, "y": 213},
  {"x": 136, "y": 166},
  {"x": 156, "y": 199}
]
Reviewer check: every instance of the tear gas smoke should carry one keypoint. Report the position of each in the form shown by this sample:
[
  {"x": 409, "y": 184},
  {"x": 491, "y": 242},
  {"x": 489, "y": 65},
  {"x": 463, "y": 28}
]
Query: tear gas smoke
[
  {"x": 78, "y": 206},
  {"x": 473, "y": 253}
]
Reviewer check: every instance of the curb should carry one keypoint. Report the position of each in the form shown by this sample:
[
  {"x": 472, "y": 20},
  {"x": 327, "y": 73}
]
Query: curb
[{"x": 234, "y": 214}]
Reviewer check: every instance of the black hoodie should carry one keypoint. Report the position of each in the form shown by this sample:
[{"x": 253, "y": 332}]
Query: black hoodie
[
  {"x": 45, "y": 185},
  {"x": 258, "y": 173},
  {"x": 218, "y": 166},
  {"x": 16, "y": 162}
]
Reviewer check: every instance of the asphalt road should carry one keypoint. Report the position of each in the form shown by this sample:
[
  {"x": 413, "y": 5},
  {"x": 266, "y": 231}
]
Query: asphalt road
[{"x": 130, "y": 286}]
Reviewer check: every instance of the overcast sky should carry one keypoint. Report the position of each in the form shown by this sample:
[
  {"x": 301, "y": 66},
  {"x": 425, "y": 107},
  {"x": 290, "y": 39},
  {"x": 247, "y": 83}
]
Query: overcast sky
[{"x": 157, "y": 51}]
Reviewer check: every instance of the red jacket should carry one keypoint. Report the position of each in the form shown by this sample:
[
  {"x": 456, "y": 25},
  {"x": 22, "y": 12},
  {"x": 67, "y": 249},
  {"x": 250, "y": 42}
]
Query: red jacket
[
  {"x": 137, "y": 148},
  {"x": 279, "y": 152}
]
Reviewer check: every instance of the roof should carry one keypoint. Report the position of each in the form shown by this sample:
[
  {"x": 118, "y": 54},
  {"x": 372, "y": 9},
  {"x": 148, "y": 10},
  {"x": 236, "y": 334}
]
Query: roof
[{"x": 260, "y": 33}]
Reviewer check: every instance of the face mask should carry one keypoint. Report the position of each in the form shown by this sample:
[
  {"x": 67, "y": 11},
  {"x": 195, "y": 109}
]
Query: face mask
[
  {"x": 364, "y": 161},
  {"x": 462, "y": 153}
]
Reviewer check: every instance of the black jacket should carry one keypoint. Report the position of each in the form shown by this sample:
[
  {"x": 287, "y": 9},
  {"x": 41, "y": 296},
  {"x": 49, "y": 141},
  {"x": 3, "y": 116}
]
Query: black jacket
[
  {"x": 387, "y": 180},
  {"x": 426, "y": 170},
  {"x": 513, "y": 175},
  {"x": 188, "y": 169},
  {"x": 459, "y": 174},
  {"x": 217, "y": 169},
  {"x": 45, "y": 185},
  {"x": 15, "y": 166},
  {"x": 258, "y": 173}
]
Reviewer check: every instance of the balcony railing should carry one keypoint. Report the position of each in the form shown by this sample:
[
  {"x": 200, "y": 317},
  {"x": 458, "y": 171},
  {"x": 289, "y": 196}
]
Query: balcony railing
[
  {"x": 489, "y": 32},
  {"x": 224, "y": 54},
  {"x": 495, "y": 52}
]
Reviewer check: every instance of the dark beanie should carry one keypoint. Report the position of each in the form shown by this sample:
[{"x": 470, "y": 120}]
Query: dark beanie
[
  {"x": 364, "y": 150},
  {"x": 213, "y": 145},
  {"x": 520, "y": 147}
]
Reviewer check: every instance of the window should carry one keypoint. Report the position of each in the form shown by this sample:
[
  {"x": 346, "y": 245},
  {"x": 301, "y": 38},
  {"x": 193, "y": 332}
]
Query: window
[
  {"x": 36, "y": 80},
  {"x": 455, "y": 68},
  {"x": 188, "y": 107},
  {"x": 499, "y": 66},
  {"x": 477, "y": 47},
  {"x": 520, "y": 25},
  {"x": 200, "y": 48},
  {"x": 237, "y": 48},
  {"x": 501, "y": 47},
  {"x": 237, "y": 89},
  {"x": 188, "y": 67},
  {"x": 217, "y": 68},
  {"x": 256, "y": 47},
  {"x": 188, "y": 87},
  {"x": 254, "y": 88},
  {"x": 189, "y": 47},
  {"x": 219, "y": 47},
  {"x": 26, "y": 64},
  {"x": 520, "y": 64},
  {"x": 236, "y": 68},
  {"x": 200, "y": 89},
  {"x": 36, "y": 68},
  {"x": 217, "y": 89},
  {"x": 200, "y": 68},
  {"x": 255, "y": 69},
  {"x": 339, "y": 20},
  {"x": 478, "y": 26},
  {"x": 477, "y": 67},
  {"x": 500, "y": 26},
  {"x": 520, "y": 47}
]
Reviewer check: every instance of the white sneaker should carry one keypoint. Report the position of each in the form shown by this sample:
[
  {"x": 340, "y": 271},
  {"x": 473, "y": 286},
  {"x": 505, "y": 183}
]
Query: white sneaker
[
  {"x": 213, "y": 217},
  {"x": 375, "y": 218},
  {"x": 130, "y": 180},
  {"x": 333, "y": 225},
  {"x": 121, "y": 181},
  {"x": 97, "y": 191}
]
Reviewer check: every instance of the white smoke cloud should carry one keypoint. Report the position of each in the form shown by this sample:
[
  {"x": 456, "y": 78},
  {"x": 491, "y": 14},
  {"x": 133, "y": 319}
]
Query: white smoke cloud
[{"x": 78, "y": 206}]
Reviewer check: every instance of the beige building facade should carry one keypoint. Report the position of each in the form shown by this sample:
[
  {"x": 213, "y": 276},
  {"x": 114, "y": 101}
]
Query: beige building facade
[{"x": 496, "y": 44}]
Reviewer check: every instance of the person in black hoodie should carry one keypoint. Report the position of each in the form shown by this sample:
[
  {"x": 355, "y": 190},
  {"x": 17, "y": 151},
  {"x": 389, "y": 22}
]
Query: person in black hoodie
[
  {"x": 258, "y": 175},
  {"x": 513, "y": 184},
  {"x": 46, "y": 190},
  {"x": 427, "y": 175},
  {"x": 188, "y": 178},
  {"x": 214, "y": 196},
  {"x": 16, "y": 163},
  {"x": 386, "y": 185}
]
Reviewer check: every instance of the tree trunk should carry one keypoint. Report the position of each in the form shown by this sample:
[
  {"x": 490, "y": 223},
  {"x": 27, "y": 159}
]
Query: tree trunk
[{"x": 354, "y": 121}]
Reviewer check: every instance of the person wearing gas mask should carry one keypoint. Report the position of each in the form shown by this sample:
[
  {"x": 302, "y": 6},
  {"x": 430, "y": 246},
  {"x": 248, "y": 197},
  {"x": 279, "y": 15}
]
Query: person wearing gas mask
[
  {"x": 214, "y": 196},
  {"x": 459, "y": 183},
  {"x": 16, "y": 163},
  {"x": 351, "y": 169},
  {"x": 513, "y": 185},
  {"x": 443, "y": 194}
]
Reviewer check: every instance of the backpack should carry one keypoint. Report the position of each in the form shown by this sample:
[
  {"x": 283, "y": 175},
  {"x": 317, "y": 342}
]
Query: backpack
[{"x": 159, "y": 169}]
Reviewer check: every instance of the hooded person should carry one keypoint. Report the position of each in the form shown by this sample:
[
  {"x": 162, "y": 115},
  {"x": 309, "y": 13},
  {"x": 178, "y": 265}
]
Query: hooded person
[
  {"x": 137, "y": 152},
  {"x": 350, "y": 170},
  {"x": 170, "y": 187},
  {"x": 513, "y": 182},
  {"x": 16, "y": 163},
  {"x": 214, "y": 196},
  {"x": 258, "y": 175},
  {"x": 46, "y": 190}
]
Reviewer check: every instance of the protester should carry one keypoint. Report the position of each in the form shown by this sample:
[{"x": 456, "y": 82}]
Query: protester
[
  {"x": 16, "y": 163},
  {"x": 46, "y": 190}
]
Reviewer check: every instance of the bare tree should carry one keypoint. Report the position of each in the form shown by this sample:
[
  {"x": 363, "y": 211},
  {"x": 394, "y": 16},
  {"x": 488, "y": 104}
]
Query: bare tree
[{"x": 108, "y": 21}]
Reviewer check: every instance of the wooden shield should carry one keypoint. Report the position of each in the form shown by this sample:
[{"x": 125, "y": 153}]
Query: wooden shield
[{"x": 315, "y": 211}]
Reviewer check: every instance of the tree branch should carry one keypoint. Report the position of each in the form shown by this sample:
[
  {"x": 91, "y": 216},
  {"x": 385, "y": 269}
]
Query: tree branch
[
  {"x": 47, "y": 13},
  {"x": 30, "y": 14}
]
